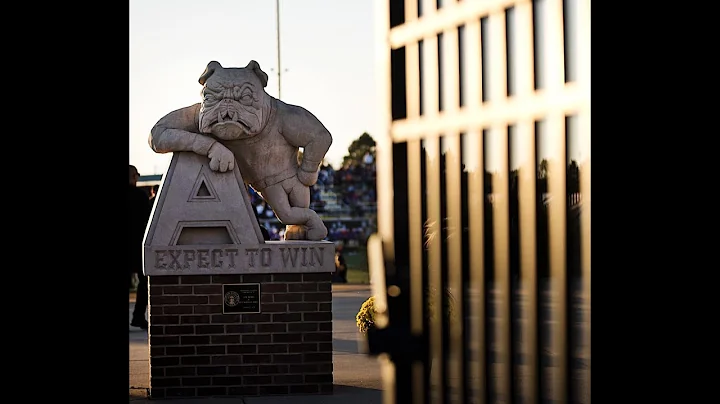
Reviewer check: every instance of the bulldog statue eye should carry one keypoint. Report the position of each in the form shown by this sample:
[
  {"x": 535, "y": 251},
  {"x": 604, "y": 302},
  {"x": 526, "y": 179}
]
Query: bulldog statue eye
[{"x": 246, "y": 99}]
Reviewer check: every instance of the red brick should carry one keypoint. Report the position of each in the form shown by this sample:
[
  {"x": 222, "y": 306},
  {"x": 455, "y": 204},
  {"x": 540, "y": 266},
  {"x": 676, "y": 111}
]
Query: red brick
[
  {"x": 322, "y": 316},
  {"x": 165, "y": 381},
  {"x": 240, "y": 328},
  {"x": 304, "y": 347},
  {"x": 179, "y": 350},
  {"x": 177, "y": 310},
  {"x": 156, "y": 290},
  {"x": 287, "y": 358},
  {"x": 303, "y": 287},
  {"x": 304, "y": 389},
  {"x": 179, "y": 330},
  {"x": 158, "y": 372},
  {"x": 195, "y": 339},
  {"x": 317, "y": 357},
  {"x": 243, "y": 370},
  {"x": 177, "y": 290},
  {"x": 180, "y": 392},
  {"x": 227, "y": 360},
  {"x": 273, "y": 369},
  {"x": 302, "y": 307},
  {"x": 241, "y": 349},
  {"x": 251, "y": 380},
  {"x": 274, "y": 307},
  {"x": 206, "y": 309},
  {"x": 303, "y": 368},
  {"x": 272, "y": 348},
  {"x": 286, "y": 317},
  {"x": 193, "y": 299},
  {"x": 324, "y": 287},
  {"x": 195, "y": 360},
  {"x": 226, "y": 279},
  {"x": 212, "y": 370},
  {"x": 326, "y": 326},
  {"x": 272, "y": 327},
  {"x": 321, "y": 378},
  {"x": 157, "y": 351},
  {"x": 210, "y": 350},
  {"x": 163, "y": 280},
  {"x": 256, "y": 318},
  {"x": 180, "y": 371},
  {"x": 164, "y": 361},
  {"x": 297, "y": 327},
  {"x": 317, "y": 337},
  {"x": 194, "y": 279},
  {"x": 216, "y": 299},
  {"x": 286, "y": 338},
  {"x": 287, "y": 379},
  {"x": 273, "y": 390},
  {"x": 325, "y": 307},
  {"x": 225, "y": 318},
  {"x": 287, "y": 277},
  {"x": 211, "y": 391},
  {"x": 227, "y": 380},
  {"x": 256, "y": 339},
  {"x": 196, "y": 381},
  {"x": 243, "y": 391},
  {"x": 209, "y": 329},
  {"x": 256, "y": 358},
  {"x": 200, "y": 319},
  {"x": 207, "y": 289},
  {"x": 317, "y": 277},
  {"x": 160, "y": 320},
  {"x": 256, "y": 278},
  {"x": 287, "y": 297},
  {"x": 274, "y": 288},
  {"x": 325, "y": 346},
  {"x": 317, "y": 297},
  {"x": 163, "y": 300},
  {"x": 225, "y": 339},
  {"x": 162, "y": 340},
  {"x": 157, "y": 330}
]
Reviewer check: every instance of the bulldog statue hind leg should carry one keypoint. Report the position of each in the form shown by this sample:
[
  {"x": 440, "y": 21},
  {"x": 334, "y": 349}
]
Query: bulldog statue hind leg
[{"x": 237, "y": 122}]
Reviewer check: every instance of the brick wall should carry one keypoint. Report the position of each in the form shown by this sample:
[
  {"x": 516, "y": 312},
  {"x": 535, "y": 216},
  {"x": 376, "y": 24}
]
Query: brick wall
[{"x": 197, "y": 351}]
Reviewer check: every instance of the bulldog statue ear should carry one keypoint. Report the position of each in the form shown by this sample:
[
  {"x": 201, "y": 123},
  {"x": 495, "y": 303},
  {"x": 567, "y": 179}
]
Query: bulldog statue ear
[
  {"x": 255, "y": 67},
  {"x": 209, "y": 70}
]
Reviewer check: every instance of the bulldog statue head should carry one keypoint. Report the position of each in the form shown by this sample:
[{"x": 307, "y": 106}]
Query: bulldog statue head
[{"x": 235, "y": 104}]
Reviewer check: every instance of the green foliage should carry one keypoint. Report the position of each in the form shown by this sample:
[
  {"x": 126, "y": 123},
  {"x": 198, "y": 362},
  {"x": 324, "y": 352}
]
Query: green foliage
[
  {"x": 365, "y": 318},
  {"x": 364, "y": 144}
]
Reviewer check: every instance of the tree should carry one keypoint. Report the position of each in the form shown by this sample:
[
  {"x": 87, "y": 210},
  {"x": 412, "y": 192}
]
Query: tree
[{"x": 359, "y": 148}]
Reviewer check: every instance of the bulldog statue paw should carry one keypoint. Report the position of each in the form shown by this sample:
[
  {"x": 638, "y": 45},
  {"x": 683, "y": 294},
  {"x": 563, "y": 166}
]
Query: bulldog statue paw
[{"x": 237, "y": 122}]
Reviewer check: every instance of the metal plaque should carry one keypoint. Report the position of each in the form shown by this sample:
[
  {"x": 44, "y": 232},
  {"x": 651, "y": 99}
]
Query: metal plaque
[{"x": 241, "y": 298}]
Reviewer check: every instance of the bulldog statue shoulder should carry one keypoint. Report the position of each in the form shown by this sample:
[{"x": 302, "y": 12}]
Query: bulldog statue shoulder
[{"x": 237, "y": 122}]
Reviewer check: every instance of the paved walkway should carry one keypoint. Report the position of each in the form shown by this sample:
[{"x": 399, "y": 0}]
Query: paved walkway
[{"x": 356, "y": 376}]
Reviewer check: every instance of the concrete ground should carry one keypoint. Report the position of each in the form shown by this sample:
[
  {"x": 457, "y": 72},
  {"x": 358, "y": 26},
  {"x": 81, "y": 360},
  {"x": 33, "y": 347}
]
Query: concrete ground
[{"x": 356, "y": 376}]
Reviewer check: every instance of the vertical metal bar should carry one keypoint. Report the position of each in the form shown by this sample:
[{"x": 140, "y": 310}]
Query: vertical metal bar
[
  {"x": 526, "y": 197},
  {"x": 553, "y": 38},
  {"x": 502, "y": 293},
  {"x": 476, "y": 185},
  {"x": 432, "y": 243},
  {"x": 454, "y": 264},
  {"x": 416, "y": 276}
]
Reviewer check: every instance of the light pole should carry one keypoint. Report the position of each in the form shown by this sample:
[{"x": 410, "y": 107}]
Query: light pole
[{"x": 279, "y": 68}]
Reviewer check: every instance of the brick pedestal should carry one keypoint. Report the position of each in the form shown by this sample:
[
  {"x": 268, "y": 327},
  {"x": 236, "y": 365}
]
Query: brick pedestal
[{"x": 197, "y": 351}]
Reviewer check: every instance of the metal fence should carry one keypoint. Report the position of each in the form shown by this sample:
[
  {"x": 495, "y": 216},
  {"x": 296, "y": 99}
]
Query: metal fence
[{"x": 481, "y": 263}]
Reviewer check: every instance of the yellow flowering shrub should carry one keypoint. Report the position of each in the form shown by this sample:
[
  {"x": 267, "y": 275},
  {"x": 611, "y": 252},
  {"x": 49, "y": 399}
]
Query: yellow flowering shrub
[{"x": 365, "y": 318}]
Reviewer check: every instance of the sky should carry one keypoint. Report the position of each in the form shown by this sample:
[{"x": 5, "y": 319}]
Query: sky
[{"x": 326, "y": 51}]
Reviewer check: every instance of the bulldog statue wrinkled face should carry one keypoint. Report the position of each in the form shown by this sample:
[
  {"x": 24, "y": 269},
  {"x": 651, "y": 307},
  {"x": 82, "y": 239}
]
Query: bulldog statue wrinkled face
[{"x": 235, "y": 104}]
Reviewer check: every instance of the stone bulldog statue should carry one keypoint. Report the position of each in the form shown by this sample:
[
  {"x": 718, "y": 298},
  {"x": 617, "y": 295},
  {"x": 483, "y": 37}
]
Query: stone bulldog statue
[{"x": 237, "y": 122}]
